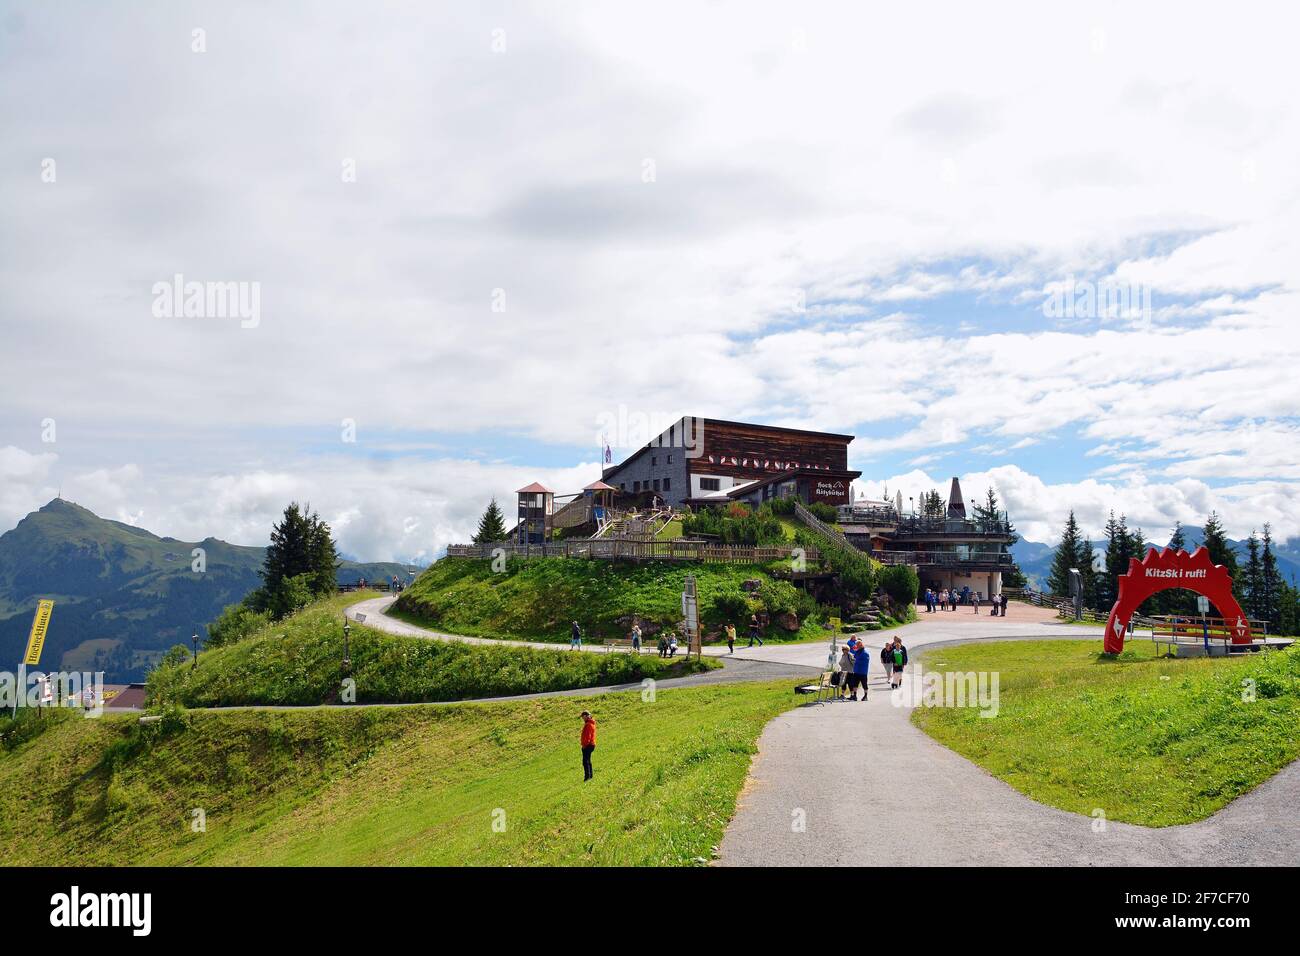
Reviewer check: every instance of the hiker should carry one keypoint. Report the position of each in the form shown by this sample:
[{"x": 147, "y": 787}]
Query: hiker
[
  {"x": 672, "y": 646},
  {"x": 846, "y": 668},
  {"x": 663, "y": 645},
  {"x": 754, "y": 632},
  {"x": 858, "y": 676},
  {"x": 588, "y": 744},
  {"x": 636, "y": 638},
  {"x": 899, "y": 655},
  {"x": 575, "y": 637},
  {"x": 975, "y": 600},
  {"x": 1003, "y": 601},
  {"x": 731, "y": 638}
]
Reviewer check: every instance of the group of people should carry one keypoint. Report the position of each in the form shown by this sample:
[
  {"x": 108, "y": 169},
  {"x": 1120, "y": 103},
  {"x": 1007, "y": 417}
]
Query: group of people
[
  {"x": 948, "y": 599},
  {"x": 755, "y": 634},
  {"x": 851, "y": 669}
]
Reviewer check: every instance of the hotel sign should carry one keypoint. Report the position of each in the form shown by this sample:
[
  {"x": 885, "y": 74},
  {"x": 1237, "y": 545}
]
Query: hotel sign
[{"x": 829, "y": 490}]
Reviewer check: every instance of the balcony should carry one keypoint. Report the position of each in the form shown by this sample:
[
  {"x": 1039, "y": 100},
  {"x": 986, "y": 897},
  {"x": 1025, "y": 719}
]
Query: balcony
[{"x": 990, "y": 560}]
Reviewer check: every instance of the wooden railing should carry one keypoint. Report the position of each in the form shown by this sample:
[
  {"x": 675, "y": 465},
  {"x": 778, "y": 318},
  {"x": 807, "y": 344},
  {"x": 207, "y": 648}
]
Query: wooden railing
[
  {"x": 943, "y": 558},
  {"x": 630, "y": 548}
]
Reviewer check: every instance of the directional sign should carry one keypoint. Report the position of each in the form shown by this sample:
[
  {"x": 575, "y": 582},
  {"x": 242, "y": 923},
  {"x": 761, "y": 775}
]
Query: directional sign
[
  {"x": 1202, "y": 605},
  {"x": 36, "y": 640}
]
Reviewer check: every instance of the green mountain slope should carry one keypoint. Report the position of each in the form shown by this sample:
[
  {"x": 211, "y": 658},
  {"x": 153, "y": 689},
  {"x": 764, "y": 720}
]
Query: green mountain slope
[
  {"x": 466, "y": 784},
  {"x": 123, "y": 595}
]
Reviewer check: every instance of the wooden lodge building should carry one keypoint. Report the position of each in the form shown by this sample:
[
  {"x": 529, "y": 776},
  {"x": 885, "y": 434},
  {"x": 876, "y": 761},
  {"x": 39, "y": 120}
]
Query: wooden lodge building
[{"x": 709, "y": 461}]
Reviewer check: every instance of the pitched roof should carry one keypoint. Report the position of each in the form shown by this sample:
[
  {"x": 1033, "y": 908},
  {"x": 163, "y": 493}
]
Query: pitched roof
[
  {"x": 599, "y": 486},
  {"x": 535, "y": 488},
  {"x": 956, "y": 506}
]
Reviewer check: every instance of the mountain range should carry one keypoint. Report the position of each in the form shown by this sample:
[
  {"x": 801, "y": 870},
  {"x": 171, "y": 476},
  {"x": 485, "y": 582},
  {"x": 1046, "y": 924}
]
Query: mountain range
[
  {"x": 1035, "y": 559},
  {"x": 122, "y": 595}
]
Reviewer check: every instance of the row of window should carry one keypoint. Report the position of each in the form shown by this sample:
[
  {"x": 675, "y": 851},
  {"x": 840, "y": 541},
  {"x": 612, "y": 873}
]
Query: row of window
[{"x": 646, "y": 485}]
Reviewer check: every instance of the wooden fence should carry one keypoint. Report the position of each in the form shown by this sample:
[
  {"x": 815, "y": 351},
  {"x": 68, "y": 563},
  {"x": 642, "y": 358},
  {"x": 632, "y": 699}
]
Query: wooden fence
[{"x": 632, "y": 548}]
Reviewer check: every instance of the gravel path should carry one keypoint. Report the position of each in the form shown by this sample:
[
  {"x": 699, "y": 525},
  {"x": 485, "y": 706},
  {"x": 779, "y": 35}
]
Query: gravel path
[{"x": 871, "y": 789}]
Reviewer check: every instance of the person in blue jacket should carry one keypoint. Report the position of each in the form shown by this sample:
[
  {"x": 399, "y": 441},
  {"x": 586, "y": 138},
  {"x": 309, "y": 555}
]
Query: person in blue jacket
[{"x": 861, "y": 663}]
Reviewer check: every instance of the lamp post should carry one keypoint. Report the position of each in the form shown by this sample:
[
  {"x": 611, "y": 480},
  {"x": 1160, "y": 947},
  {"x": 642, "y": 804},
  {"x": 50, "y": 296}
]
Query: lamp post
[{"x": 347, "y": 629}]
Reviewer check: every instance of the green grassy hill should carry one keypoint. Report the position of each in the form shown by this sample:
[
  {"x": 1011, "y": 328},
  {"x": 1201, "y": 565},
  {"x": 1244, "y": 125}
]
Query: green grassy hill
[
  {"x": 537, "y": 600},
  {"x": 469, "y": 784},
  {"x": 298, "y": 661},
  {"x": 123, "y": 595}
]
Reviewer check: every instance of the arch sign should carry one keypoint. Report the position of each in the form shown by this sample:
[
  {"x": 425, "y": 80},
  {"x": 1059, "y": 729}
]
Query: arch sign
[{"x": 1164, "y": 570}]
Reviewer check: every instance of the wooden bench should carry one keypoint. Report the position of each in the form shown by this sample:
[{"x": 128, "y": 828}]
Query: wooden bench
[{"x": 620, "y": 643}]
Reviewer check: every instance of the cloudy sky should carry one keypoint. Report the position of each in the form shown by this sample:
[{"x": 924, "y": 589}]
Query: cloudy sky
[{"x": 1047, "y": 247}]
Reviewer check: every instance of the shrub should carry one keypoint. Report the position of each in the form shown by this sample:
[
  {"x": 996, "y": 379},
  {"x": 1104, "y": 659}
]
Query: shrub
[
  {"x": 236, "y": 622},
  {"x": 823, "y": 512},
  {"x": 730, "y": 606},
  {"x": 901, "y": 583}
]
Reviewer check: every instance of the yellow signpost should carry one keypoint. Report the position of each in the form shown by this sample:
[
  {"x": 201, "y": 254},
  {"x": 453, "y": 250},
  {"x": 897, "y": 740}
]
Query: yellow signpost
[{"x": 40, "y": 624}]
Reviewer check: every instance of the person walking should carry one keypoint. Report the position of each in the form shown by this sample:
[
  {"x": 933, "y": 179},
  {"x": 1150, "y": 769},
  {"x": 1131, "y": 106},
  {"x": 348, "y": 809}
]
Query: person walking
[
  {"x": 975, "y": 601},
  {"x": 755, "y": 634},
  {"x": 663, "y": 645},
  {"x": 575, "y": 637},
  {"x": 672, "y": 646},
  {"x": 588, "y": 744},
  {"x": 731, "y": 638},
  {"x": 861, "y": 665},
  {"x": 846, "y": 668},
  {"x": 636, "y": 638},
  {"x": 887, "y": 661},
  {"x": 899, "y": 653},
  {"x": 1003, "y": 600}
]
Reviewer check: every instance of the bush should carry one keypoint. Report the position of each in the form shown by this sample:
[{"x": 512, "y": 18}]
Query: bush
[
  {"x": 901, "y": 583},
  {"x": 737, "y": 526},
  {"x": 730, "y": 607},
  {"x": 822, "y": 512},
  {"x": 236, "y": 622}
]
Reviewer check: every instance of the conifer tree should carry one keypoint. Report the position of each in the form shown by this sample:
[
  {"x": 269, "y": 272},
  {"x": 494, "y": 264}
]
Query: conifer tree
[
  {"x": 1068, "y": 556},
  {"x": 492, "y": 526}
]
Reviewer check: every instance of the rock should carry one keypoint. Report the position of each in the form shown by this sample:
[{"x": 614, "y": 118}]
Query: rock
[
  {"x": 753, "y": 584},
  {"x": 789, "y": 622}
]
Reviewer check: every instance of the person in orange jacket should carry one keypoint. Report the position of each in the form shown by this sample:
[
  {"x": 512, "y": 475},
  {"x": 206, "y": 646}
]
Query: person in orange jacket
[{"x": 588, "y": 743}]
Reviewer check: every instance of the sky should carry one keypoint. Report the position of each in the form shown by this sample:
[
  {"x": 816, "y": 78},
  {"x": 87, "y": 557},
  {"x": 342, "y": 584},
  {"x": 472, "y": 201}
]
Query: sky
[{"x": 1048, "y": 248}]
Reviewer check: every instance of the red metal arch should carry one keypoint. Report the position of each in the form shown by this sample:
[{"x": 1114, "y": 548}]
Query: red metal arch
[{"x": 1163, "y": 570}]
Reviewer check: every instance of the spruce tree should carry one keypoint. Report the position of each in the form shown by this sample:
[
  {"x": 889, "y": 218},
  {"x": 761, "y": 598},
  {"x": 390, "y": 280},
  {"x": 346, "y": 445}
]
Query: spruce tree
[
  {"x": 1118, "y": 546},
  {"x": 1271, "y": 583},
  {"x": 1067, "y": 557},
  {"x": 492, "y": 526},
  {"x": 1178, "y": 540},
  {"x": 1216, "y": 542},
  {"x": 1252, "y": 585},
  {"x": 1088, "y": 570}
]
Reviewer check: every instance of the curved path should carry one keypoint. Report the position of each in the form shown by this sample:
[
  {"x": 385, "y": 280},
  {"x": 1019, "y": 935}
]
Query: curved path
[{"x": 871, "y": 789}]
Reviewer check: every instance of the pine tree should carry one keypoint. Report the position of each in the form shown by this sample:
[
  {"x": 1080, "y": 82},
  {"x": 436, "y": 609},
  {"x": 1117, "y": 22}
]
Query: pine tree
[
  {"x": 1118, "y": 546},
  {"x": 1068, "y": 556},
  {"x": 1088, "y": 571},
  {"x": 301, "y": 563},
  {"x": 1178, "y": 540},
  {"x": 988, "y": 516},
  {"x": 1253, "y": 583},
  {"x": 492, "y": 526},
  {"x": 933, "y": 504},
  {"x": 1271, "y": 583},
  {"x": 1216, "y": 542}
]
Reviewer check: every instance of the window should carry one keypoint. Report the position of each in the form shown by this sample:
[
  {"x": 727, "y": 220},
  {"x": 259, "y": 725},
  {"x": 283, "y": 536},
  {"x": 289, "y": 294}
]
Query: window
[
  {"x": 710, "y": 484},
  {"x": 670, "y": 459},
  {"x": 636, "y": 486},
  {"x": 667, "y": 484},
  {"x": 656, "y": 484},
  {"x": 622, "y": 486},
  {"x": 653, "y": 461}
]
